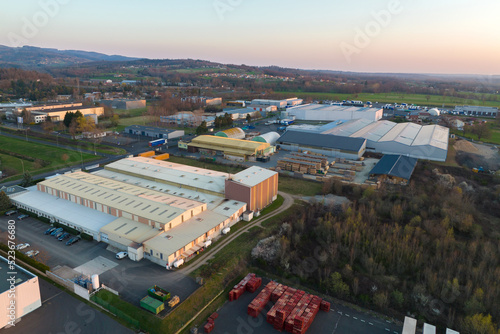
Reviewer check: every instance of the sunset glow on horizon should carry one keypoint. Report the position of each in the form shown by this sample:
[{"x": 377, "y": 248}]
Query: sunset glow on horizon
[{"x": 452, "y": 37}]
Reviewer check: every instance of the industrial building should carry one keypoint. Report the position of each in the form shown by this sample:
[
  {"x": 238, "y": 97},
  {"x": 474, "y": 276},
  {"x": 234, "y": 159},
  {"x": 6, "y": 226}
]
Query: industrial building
[
  {"x": 230, "y": 148},
  {"x": 476, "y": 111},
  {"x": 269, "y": 137},
  {"x": 153, "y": 132},
  {"x": 329, "y": 145},
  {"x": 187, "y": 118},
  {"x": 19, "y": 292},
  {"x": 394, "y": 168},
  {"x": 327, "y": 112},
  {"x": 126, "y": 104},
  {"x": 278, "y": 103},
  {"x": 255, "y": 186},
  {"x": 57, "y": 114},
  {"x": 241, "y": 113},
  {"x": 429, "y": 142},
  {"x": 152, "y": 209},
  {"x": 236, "y": 133}
]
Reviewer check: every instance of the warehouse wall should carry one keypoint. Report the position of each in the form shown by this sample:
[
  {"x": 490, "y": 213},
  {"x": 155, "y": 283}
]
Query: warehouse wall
[{"x": 257, "y": 197}]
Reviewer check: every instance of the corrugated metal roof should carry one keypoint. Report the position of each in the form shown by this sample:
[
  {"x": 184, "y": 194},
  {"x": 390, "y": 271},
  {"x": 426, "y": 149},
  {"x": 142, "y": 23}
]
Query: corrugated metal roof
[
  {"x": 130, "y": 229},
  {"x": 195, "y": 177},
  {"x": 269, "y": 137},
  {"x": 237, "y": 133},
  {"x": 229, "y": 145},
  {"x": 253, "y": 176},
  {"x": 395, "y": 165},
  {"x": 142, "y": 202},
  {"x": 322, "y": 140}
]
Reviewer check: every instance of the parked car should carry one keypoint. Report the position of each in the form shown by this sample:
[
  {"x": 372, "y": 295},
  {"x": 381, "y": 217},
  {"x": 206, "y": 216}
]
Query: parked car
[
  {"x": 50, "y": 230},
  {"x": 57, "y": 230},
  {"x": 73, "y": 240},
  {"x": 121, "y": 255},
  {"x": 23, "y": 216},
  {"x": 64, "y": 236},
  {"x": 11, "y": 212},
  {"x": 32, "y": 253},
  {"x": 58, "y": 234},
  {"x": 22, "y": 246}
]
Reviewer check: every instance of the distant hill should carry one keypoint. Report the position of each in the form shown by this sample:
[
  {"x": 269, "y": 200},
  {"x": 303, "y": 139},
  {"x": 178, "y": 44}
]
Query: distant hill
[{"x": 35, "y": 57}]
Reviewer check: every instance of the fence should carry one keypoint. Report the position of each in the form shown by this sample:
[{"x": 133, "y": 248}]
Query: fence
[{"x": 116, "y": 311}]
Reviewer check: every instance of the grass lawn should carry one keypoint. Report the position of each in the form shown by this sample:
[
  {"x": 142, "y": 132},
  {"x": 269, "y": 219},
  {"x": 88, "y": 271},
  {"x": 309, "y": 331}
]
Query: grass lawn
[
  {"x": 298, "y": 186},
  {"x": 493, "y": 139},
  {"x": 417, "y": 99},
  {"x": 58, "y": 157},
  {"x": 450, "y": 158},
  {"x": 130, "y": 113}
]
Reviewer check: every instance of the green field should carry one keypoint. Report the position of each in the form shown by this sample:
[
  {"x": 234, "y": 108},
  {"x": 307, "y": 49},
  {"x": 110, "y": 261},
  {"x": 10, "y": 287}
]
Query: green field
[
  {"x": 417, "y": 99},
  {"x": 57, "y": 157},
  {"x": 494, "y": 138}
]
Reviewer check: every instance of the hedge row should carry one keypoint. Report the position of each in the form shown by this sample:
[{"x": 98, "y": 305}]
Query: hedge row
[
  {"x": 44, "y": 163},
  {"x": 26, "y": 259}
]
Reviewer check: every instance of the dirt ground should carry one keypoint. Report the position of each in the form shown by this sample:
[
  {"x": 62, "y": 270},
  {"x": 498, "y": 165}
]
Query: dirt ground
[{"x": 477, "y": 155}]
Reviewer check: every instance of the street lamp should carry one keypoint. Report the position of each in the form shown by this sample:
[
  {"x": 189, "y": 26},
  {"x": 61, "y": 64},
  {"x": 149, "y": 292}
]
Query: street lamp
[{"x": 22, "y": 162}]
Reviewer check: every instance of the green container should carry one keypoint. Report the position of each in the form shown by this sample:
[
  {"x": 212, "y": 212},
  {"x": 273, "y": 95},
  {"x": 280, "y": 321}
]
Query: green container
[
  {"x": 158, "y": 293},
  {"x": 152, "y": 305}
]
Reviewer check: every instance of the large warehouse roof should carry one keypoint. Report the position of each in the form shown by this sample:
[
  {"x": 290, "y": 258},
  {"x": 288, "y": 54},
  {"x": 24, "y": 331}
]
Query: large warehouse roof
[
  {"x": 179, "y": 236},
  {"x": 78, "y": 215},
  {"x": 171, "y": 172},
  {"x": 348, "y": 128},
  {"x": 327, "y": 112},
  {"x": 237, "y": 133},
  {"x": 146, "y": 203},
  {"x": 130, "y": 229},
  {"x": 395, "y": 165},
  {"x": 268, "y": 137},
  {"x": 230, "y": 146},
  {"x": 211, "y": 200},
  {"x": 253, "y": 176},
  {"x": 322, "y": 140}
]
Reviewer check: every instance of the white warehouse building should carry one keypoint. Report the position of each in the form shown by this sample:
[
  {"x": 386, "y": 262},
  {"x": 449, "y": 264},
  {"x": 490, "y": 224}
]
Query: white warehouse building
[
  {"x": 428, "y": 142},
  {"x": 327, "y": 112}
]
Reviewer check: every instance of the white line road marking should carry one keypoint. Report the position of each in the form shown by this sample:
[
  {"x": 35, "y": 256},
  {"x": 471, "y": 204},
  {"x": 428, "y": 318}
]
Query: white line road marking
[
  {"x": 355, "y": 318},
  {"x": 371, "y": 324},
  {"x": 387, "y": 329},
  {"x": 54, "y": 296},
  {"x": 347, "y": 315},
  {"x": 339, "y": 312},
  {"x": 396, "y": 332},
  {"x": 362, "y": 320}
]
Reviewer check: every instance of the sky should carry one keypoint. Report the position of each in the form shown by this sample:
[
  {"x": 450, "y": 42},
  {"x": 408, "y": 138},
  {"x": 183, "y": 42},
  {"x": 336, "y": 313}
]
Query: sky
[{"x": 397, "y": 36}]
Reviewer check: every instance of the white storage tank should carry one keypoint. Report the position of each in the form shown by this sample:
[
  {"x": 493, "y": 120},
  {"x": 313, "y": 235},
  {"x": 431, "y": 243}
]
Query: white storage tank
[
  {"x": 226, "y": 230},
  {"x": 178, "y": 263},
  {"x": 95, "y": 281}
]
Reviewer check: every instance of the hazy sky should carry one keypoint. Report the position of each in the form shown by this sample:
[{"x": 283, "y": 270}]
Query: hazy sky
[{"x": 424, "y": 36}]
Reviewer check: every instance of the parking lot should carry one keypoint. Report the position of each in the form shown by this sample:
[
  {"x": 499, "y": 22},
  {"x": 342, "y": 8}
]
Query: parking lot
[
  {"x": 62, "y": 313},
  {"x": 233, "y": 318},
  {"x": 131, "y": 279}
]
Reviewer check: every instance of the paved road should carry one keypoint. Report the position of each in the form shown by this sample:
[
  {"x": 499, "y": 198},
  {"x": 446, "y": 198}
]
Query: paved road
[
  {"x": 210, "y": 253},
  {"x": 62, "y": 313}
]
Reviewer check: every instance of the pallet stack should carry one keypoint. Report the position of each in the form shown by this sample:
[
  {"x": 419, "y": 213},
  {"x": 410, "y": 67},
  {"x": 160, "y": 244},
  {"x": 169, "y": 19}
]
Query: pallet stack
[
  {"x": 280, "y": 304},
  {"x": 259, "y": 302},
  {"x": 209, "y": 326},
  {"x": 240, "y": 288},
  {"x": 278, "y": 292},
  {"x": 301, "y": 323},
  {"x": 284, "y": 311},
  {"x": 324, "y": 306},
  {"x": 253, "y": 284},
  {"x": 297, "y": 311},
  {"x": 311, "y": 158}
]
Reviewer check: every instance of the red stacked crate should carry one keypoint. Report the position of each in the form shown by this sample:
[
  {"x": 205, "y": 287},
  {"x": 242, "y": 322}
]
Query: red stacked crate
[
  {"x": 283, "y": 312},
  {"x": 214, "y": 315},
  {"x": 239, "y": 288},
  {"x": 298, "y": 310},
  {"x": 208, "y": 327},
  {"x": 278, "y": 292},
  {"x": 253, "y": 284},
  {"x": 302, "y": 322},
  {"x": 280, "y": 303},
  {"x": 324, "y": 306},
  {"x": 259, "y": 302}
]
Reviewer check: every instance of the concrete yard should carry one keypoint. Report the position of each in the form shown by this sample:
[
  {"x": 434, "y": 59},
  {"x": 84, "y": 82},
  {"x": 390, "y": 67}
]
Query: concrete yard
[{"x": 233, "y": 318}]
